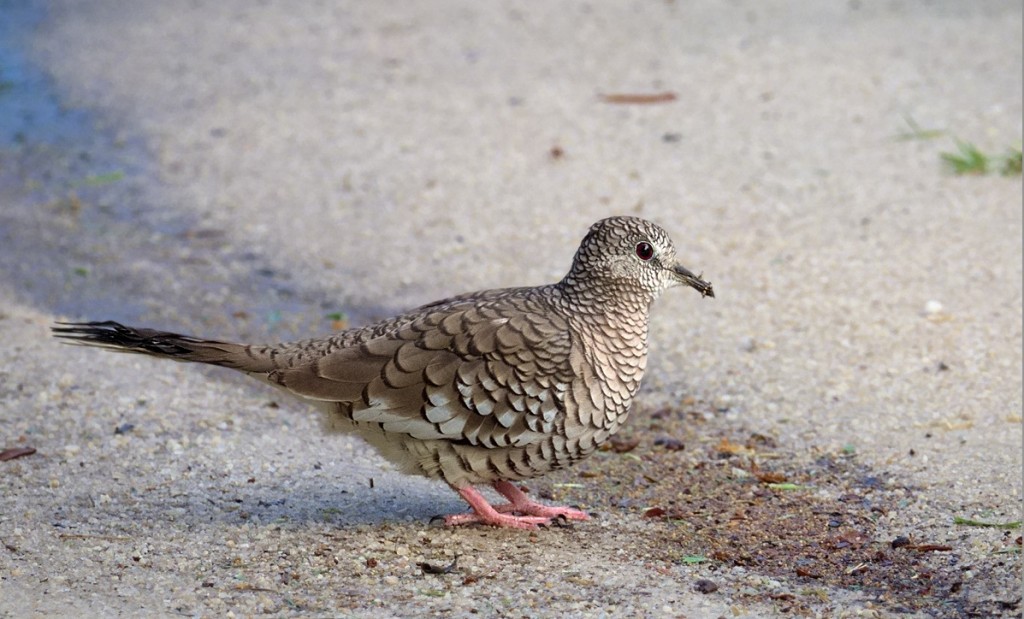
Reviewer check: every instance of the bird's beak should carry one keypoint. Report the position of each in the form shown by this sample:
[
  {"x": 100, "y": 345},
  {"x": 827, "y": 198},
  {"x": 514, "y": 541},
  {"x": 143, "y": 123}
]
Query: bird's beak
[{"x": 685, "y": 276}]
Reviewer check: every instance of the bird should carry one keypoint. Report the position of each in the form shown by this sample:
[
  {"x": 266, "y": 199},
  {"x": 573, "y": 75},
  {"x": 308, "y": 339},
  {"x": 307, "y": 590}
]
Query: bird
[{"x": 486, "y": 388}]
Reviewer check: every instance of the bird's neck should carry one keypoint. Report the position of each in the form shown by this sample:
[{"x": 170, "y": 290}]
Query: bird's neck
[
  {"x": 613, "y": 328},
  {"x": 621, "y": 299},
  {"x": 616, "y": 314}
]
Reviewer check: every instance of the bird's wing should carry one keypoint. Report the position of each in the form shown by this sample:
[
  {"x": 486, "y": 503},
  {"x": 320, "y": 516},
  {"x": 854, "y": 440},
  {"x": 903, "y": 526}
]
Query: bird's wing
[
  {"x": 303, "y": 352},
  {"x": 492, "y": 374}
]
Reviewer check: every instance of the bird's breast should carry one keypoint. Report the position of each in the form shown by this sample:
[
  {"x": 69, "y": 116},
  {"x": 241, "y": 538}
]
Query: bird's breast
[{"x": 608, "y": 368}]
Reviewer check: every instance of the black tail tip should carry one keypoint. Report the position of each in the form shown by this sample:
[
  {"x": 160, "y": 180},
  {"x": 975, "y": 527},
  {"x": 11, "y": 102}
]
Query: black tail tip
[
  {"x": 88, "y": 330},
  {"x": 116, "y": 336}
]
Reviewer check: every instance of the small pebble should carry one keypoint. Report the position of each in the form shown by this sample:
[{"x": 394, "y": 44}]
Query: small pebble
[
  {"x": 723, "y": 403},
  {"x": 669, "y": 443},
  {"x": 738, "y": 473},
  {"x": 900, "y": 541},
  {"x": 705, "y": 586}
]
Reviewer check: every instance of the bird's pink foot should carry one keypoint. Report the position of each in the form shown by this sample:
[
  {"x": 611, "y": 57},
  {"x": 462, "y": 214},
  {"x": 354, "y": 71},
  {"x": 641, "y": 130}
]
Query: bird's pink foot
[
  {"x": 496, "y": 520},
  {"x": 506, "y": 515},
  {"x": 522, "y": 504},
  {"x": 483, "y": 513}
]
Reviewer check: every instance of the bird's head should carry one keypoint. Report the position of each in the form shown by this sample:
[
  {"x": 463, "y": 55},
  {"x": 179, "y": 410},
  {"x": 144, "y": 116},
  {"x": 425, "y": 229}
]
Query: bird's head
[{"x": 630, "y": 253}]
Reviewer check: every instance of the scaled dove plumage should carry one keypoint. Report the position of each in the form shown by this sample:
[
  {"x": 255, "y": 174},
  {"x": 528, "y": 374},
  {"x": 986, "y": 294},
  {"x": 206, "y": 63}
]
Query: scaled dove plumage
[{"x": 483, "y": 388}]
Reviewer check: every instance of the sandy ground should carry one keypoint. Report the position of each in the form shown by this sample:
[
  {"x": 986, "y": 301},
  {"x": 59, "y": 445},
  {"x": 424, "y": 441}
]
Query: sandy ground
[{"x": 247, "y": 170}]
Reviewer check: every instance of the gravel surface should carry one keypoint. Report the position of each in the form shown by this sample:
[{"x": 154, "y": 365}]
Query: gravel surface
[{"x": 268, "y": 171}]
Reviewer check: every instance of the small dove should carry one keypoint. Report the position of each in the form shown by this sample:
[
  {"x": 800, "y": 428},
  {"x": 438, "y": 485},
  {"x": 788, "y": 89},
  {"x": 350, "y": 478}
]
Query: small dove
[{"x": 490, "y": 387}]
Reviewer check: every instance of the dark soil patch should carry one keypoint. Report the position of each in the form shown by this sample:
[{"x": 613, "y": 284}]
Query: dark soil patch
[{"x": 809, "y": 522}]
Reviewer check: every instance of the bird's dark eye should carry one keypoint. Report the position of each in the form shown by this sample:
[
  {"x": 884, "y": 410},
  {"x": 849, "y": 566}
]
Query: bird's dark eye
[{"x": 644, "y": 251}]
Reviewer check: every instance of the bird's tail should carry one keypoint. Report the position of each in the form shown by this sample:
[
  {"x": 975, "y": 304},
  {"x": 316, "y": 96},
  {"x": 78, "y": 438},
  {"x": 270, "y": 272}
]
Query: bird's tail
[{"x": 120, "y": 338}]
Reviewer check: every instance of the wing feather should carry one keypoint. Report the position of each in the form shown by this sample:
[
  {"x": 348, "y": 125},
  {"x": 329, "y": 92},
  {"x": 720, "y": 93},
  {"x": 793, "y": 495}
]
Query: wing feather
[{"x": 472, "y": 372}]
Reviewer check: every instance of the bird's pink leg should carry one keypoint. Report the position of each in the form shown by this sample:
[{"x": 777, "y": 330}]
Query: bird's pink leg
[
  {"x": 483, "y": 513},
  {"x": 521, "y": 503}
]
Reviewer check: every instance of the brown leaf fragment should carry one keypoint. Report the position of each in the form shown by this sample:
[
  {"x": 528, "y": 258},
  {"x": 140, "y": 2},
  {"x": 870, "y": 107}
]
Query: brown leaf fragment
[
  {"x": 806, "y": 573},
  {"x": 931, "y": 547},
  {"x": 621, "y": 445},
  {"x": 245, "y": 586},
  {"x": 721, "y": 555},
  {"x": 760, "y": 440},
  {"x": 16, "y": 452},
  {"x": 109, "y": 538},
  {"x": 727, "y": 447},
  {"x": 769, "y": 477},
  {"x": 655, "y": 512},
  {"x": 639, "y": 98},
  {"x": 846, "y": 539}
]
